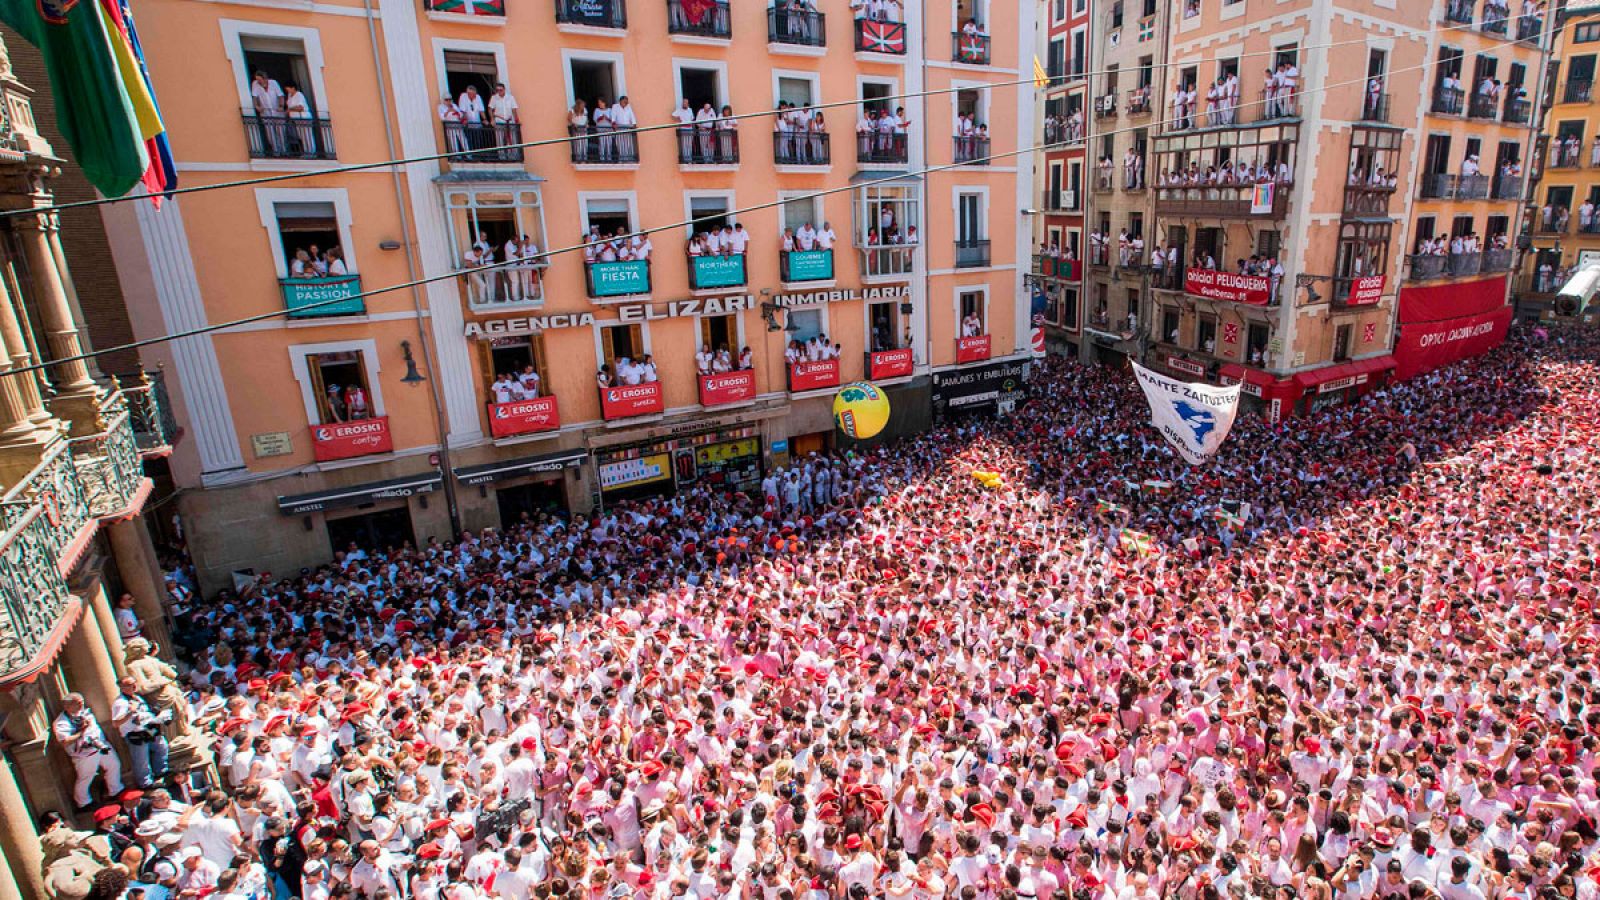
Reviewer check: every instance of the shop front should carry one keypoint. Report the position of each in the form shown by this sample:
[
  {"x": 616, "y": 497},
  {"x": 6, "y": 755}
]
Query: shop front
[
  {"x": 374, "y": 514},
  {"x": 1338, "y": 385},
  {"x": 727, "y": 458},
  {"x": 526, "y": 485},
  {"x": 996, "y": 387},
  {"x": 1260, "y": 391}
]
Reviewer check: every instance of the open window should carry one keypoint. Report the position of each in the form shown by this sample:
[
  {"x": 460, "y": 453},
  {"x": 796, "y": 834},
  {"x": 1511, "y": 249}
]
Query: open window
[
  {"x": 517, "y": 368},
  {"x": 972, "y": 239},
  {"x": 974, "y": 308},
  {"x": 618, "y": 260},
  {"x": 887, "y": 328},
  {"x": 623, "y": 344},
  {"x": 885, "y": 218},
  {"x": 285, "y": 116},
  {"x": 496, "y": 238},
  {"x": 339, "y": 386}
]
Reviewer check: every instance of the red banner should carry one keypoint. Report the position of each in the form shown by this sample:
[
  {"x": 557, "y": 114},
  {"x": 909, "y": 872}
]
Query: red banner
[
  {"x": 811, "y": 376},
  {"x": 727, "y": 387},
  {"x": 1255, "y": 290},
  {"x": 1426, "y": 346},
  {"x": 1452, "y": 301},
  {"x": 343, "y": 440},
  {"x": 631, "y": 400},
  {"x": 972, "y": 349},
  {"x": 524, "y": 417},
  {"x": 890, "y": 364},
  {"x": 1365, "y": 291}
]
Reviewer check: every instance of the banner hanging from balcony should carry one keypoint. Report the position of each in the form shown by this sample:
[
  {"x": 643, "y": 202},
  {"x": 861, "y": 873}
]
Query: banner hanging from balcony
[
  {"x": 972, "y": 349},
  {"x": 622, "y": 278},
  {"x": 631, "y": 400},
  {"x": 698, "y": 12},
  {"x": 1255, "y": 290},
  {"x": 590, "y": 12},
  {"x": 1426, "y": 346},
  {"x": 709, "y": 272},
  {"x": 890, "y": 364},
  {"x": 343, "y": 440},
  {"x": 811, "y": 376},
  {"x": 1194, "y": 418},
  {"x": 306, "y": 298},
  {"x": 1366, "y": 291},
  {"x": 524, "y": 417},
  {"x": 1451, "y": 301},
  {"x": 974, "y": 48},
  {"x": 727, "y": 387},
  {"x": 882, "y": 37},
  {"x": 1261, "y": 199},
  {"x": 469, "y": 7},
  {"x": 809, "y": 265}
]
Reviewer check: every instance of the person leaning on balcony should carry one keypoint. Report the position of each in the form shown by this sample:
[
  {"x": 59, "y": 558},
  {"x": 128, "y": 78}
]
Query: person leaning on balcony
[
  {"x": 1585, "y": 214},
  {"x": 825, "y": 236},
  {"x": 578, "y": 127},
  {"x": 625, "y": 120},
  {"x": 503, "y": 112},
  {"x": 300, "y": 266},
  {"x": 335, "y": 266},
  {"x": 727, "y": 134},
  {"x": 705, "y": 126},
  {"x": 472, "y": 108},
  {"x": 450, "y": 115},
  {"x": 684, "y": 116},
  {"x": 86, "y": 745},
  {"x": 703, "y": 358},
  {"x": 605, "y": 125},
  {"x": 747, "y": 359},
  {"x": 266, "y": 95},
  {"x": 299, "y": 112}
]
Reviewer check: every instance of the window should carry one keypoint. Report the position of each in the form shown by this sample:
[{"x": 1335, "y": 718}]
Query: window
[
  {"x": 339, "y": 386},
  {"x": 488, "y": 226},
  {"x": 622, "y": 342},
  {"x": 1056, "y": 58},
  {"x": 718, "y": 333},
  {"x": 514, "y": 357},
  {"x": 1206, "y": 342},
  {"x": 886, "y": 214},
  {"x": 1461, "y": 226},
  {"x": 804, "y": 324},
  {"x": 885, "y": 328},
  {"x": 973, "y": 309},
  {"x": 875, "y": 97},
  {"x": 594, "y": 81},
  {"x": 802, "y": 212},
  {"x": 1267, "y": 243},
  {"x": 1116, "y": 14},
  {"x": 1426, "y": 228},
  {"x": 467, "y": 71},
  {"x": 1341, "y": 342},
  {"x": 797, "y": 90},
  {"x": 1255, "y": 342},
  {"x": 309, "y": 236},
  {"x": 1586, "y": 33},
  {"x": 1363, "y": 251},
  {"x": 1069, "y": 308},
  {"x": 708, "y": 214},
  {"x": 1169, "y": 325},
  {"x": 608, "y": 216},
  {"x": 701, "y": 85},
  {"x": 281, "y": 59}
]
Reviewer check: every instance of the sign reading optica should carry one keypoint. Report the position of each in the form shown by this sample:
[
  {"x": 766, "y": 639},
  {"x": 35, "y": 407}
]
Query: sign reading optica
[
  {"x": 343, "y": 440},
  {"x": 1364, "y": 291},
  {"x": 811, "y": 376},
  {"x": 1252, "y": 289},
  {"x": 524, "y": 417},
  {"x": 727, "y": 387},
  {"x": 631, "y": 400}
]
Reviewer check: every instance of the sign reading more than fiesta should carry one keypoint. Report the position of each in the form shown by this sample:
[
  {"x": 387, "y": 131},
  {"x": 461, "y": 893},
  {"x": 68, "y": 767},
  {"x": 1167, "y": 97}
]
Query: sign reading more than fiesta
[
  {"x": 627, "y": 313},
  {"x": 1252, "y": 289},
  {"x": 343, "y": 440},
  {"x": 524, "y": 417}
]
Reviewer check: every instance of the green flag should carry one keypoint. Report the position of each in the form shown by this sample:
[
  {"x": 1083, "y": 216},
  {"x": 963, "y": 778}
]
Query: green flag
[{"x": 92, "y": 106}]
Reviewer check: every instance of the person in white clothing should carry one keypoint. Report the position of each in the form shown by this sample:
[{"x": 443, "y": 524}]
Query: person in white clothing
[
  {"x": 266, "y": 95},
  {"x": 85, "y": 743}
]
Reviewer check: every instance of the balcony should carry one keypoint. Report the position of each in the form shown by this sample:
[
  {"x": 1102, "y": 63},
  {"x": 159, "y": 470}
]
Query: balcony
[
  {"x": 1592, "y": 228},
  {"x": 1507, "y": 187},
  {"x": 627, "y": 401},
  {"x": 1363, "y": 291},
  {"x": 1459, "y": 11},
  {"x": 887, "y": 262},
  {"x": 1105, "y": 107},
  {"x": 155, "y": 428},
  {"x": 897, "y": 363},
  {"x": 1577, "y": 91},
  {"x": 487, "y": 11},
  {"x": 348, "y": 440},
  {"x": 483, "y": 143},
  {"x": 1104, "y": 182},
  {"x": 310, "y": 298},
  {"x": 813, "y": 375},
  {"x": 972, "y": 151},
  {"x": 1367, "y": 201},
  {"x": 1497, "y": 260},
  {"x": 1449, "y": 101},
  {"x": 283, "y": 137},
  {"x": 1056, "y": 133},
  {"x": 1518, "y": 111},
  {"x": 1099, "y": 255},
  {"x": 1566, "y": 157},
  {"x": 1461, "y": 264},
  {"x": 969, "y": 49},
  {"x": 1441, "y": 186},
  {"x": 1224, "y": 202},
  {"x": 700, "y": 18},
  {"x": 881, "y": 149},
  {"x": 1375, "y": 108},
  {"x": 592, "y": 146},
  {"x": 1482, "y": 106},
  {"x": 1230, "y": 287},
  {"x": 797, "y": 29},
  {"x": 1558, "y": 222},
  {"x": 609, "y": 14},
  {"x": 723, "y": 388},
  {"x": 975, "y": 348},
  {"x": 1426, "y": 266},
  {"x": 972, "y": 254},
  {"x": 708, "y": 146},
  {"x": 619, "y": 278},
  {"x": 800, "y": 266},
  {"x": 524, "y": 417},
  {"x": 877, "y": 36},
  {"x": 487, "y": 288},
  {"x": 716, "y": 273},
  {"x": 1529, "y": 27},
  {"x": 1139, "y": 101},
  {"x": 1056, "y": 267},
  {"x": 801, "y": 148},
  {"x": 1495, "y": 22},
  {"x": 1060, "y": 201}
]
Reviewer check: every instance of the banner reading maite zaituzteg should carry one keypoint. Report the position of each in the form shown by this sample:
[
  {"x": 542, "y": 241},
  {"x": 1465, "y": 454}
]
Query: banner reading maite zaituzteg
[{"x": 1194, "y": 418}]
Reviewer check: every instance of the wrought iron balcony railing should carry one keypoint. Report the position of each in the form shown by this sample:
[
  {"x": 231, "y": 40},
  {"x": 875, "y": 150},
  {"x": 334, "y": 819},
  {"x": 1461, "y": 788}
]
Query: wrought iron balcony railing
[{"x": 287, "y": 137}]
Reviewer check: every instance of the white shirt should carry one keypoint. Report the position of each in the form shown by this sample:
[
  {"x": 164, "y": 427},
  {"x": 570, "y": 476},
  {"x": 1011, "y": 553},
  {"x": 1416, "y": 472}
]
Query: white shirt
[
  {"x": 684, "y": 115},
  {"x": 504, "y": 107},
  {"x": 267, "y": 97},
  {"x": 471, "y": 106}
]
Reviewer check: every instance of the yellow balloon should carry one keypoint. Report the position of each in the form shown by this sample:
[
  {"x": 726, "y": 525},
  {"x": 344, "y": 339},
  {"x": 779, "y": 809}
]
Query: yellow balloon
[{"x": 860, "y": 410}]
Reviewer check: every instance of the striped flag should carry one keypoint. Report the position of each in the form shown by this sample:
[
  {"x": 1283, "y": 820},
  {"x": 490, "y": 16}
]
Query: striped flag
[
  {"x": 1040, "y": 79},
  {"x": 1135, "y": 542}
]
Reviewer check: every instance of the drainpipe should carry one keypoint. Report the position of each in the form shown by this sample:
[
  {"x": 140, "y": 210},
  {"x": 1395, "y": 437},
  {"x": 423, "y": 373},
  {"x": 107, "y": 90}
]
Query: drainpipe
[{"x": 441, "y": 431}]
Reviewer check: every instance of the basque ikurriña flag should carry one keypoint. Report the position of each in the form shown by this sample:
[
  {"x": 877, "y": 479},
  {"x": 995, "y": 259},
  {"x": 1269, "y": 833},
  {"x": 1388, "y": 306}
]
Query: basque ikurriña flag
[{"x": 883, "y": 37}]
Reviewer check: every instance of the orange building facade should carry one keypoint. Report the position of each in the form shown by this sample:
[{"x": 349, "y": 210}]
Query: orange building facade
[{"x": 468, "y": 391}]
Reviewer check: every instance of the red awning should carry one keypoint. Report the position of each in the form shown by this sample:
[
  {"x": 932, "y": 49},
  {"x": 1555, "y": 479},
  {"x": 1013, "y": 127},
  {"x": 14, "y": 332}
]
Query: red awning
[
  {"x": 1344, "y": 370},
  {"x": 1246, "y": 375}
]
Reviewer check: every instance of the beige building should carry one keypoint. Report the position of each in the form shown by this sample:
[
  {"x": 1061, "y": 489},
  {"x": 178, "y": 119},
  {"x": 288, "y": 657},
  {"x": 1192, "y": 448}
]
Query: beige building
[{"x": 72, "y": 448}]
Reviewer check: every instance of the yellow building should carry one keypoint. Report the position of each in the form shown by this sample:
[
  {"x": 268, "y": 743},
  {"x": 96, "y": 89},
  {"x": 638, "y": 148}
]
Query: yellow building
[
  {"x": 1563, "y": 230},
  {"x": 918, "y": 291}
]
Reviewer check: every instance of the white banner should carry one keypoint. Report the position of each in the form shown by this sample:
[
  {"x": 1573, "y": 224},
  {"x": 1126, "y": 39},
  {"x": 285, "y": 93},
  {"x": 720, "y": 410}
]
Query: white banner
[{"x": 1194, "y": 418}]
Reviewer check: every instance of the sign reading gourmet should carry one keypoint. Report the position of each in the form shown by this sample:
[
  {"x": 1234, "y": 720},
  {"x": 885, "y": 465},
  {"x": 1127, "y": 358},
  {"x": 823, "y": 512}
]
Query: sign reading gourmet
[
  {"x": 890, "y": 364},
  {"x": 343, "y": 440},
  {"x": 811, "y": 376},
  {"x": 1252, "y": 289},
  {"x": 689, "y": 308},
  {"x": 1366, "y": 291},
  {"x": 727, "y": 387},
  {"x": 524, "y": 417},
  {"x": 972, "y": 349},
  {"x": 631, "y": 400}
]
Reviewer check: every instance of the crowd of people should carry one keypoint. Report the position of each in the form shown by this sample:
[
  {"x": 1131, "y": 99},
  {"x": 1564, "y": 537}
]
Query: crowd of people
[
  {"x": 626, "y": 371},
  {"x": 1065, "y": 128},
  {"x": 802, "y": 135},
  {"x": 513, "y": 275},
  {"x": 1279, "y": 99},
  {"x": 1230, "y": 173},
  {"x": 816, "y": 348},
  {"x": 729, "y": 240},
  {"x": 473, "y": 125},
  {"x": 1028, "y": 657},
  {"x": 720, "y": 361},
  {"x": 881, "y": 134},
  {"x": 311, "y": 261}
]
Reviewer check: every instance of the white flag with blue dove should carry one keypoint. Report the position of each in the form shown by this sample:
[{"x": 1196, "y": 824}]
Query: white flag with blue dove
[{"x": 1194, "y": 418}]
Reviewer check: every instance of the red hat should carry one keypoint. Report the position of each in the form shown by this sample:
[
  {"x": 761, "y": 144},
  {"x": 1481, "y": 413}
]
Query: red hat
[
  {"x": 276, "y": 721},
  {"x": 257, "y": 684},
  {"x": 431, "y": 850},
  {"x": 1100, "y": 718},
  {"x": 245, "y": 670},
  {"x": 984, "y": 814},
  {"x": 307, "y": 728},
  {"x": 651, "y": 769},
  {"x": 279, "y": 678},
  {"x": 131, "y": 795},
  {"x": 1312, "y": 745},
  {"x": 647, "y": 878},
  {"x": 230, "y": 726},
  {"x": 853, "y": 842},
  {"x": 352, "y": 711},
  {"x": 1078, "y": 819},
  {"x": 1383, "y": 838},
  {"x": 436, "y": 824},
  {"x": 106, "y": 813}
]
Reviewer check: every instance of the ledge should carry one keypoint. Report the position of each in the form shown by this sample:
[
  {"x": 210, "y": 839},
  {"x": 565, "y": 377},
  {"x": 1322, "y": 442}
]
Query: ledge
[
  {"x": 782, "y": 49},
  {"x": 591, "y": 30}
]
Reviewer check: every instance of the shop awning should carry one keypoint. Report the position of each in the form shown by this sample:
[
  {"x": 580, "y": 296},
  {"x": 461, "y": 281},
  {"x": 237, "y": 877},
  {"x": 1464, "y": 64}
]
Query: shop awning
[
  {"x": 1247, "y": 375},
  {"x": 1330, "y": 378},
  {"x": 488, "y": 473},
  {"x": 358, "y": 494}
]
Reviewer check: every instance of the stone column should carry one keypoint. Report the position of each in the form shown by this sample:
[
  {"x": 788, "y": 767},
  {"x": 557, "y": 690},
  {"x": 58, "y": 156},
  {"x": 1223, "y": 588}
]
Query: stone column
[
  {"x": 78, "y": 395},
  {"x": 26, "y": 428},
  {"x": 27, "y": 731},
  {"x": 140, "y": 569},
  {"x": 98, "y": 603},
  {"x": 21, "y": 873},
  {"x": 90, "y": 671}
]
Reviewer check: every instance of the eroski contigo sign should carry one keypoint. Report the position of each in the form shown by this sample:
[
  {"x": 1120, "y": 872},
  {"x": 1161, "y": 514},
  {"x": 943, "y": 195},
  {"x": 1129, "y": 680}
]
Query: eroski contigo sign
[{"x": 675, "y": 309}]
